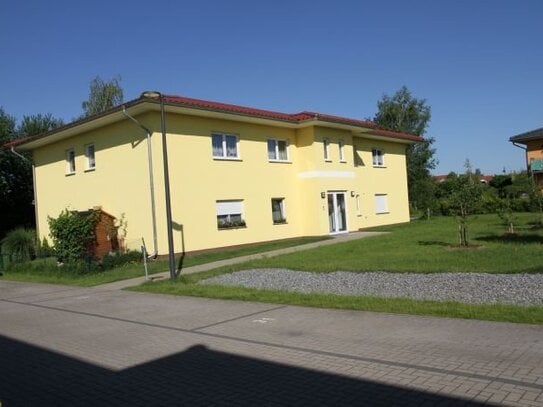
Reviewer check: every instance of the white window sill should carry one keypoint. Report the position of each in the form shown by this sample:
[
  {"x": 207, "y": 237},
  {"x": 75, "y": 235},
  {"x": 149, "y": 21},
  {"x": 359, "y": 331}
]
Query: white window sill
[
  {"x": 382, "y": 213},
  {"x": 343, "y": 161},
  {"x": 280, "y": 161},
  {"x": 227, "y": 159},
  {"x": 327, "y": 161},
  {"x": 232, "y": 227},
  {"x": 281, "y": 223},
  {"x": 90, "y": 169},
  {"x": 379, "y": 166},
  {"x": 68, "y": 174}
]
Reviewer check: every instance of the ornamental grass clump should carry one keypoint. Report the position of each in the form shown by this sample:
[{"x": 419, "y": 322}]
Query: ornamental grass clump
[{"x": 20, "y": 244}]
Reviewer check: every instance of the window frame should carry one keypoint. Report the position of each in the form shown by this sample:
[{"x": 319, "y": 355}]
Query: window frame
[
  {"x": 277, "y": 151},
  {"x": 326, "y": 147},
  {"x": 378, "y": 157},
  {"x": 229, "y": 223},
  {"x": 282, "y": 211},
  {"x": 69, "y": 156},
  {"x": 88, "y": 157},
  {"x": 224, "y": 146},
  {"x": 341, "y": 148}
]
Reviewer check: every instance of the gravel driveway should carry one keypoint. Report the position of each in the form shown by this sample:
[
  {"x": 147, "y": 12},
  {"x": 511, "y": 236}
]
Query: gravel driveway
[{"x": 477, "y": 288}]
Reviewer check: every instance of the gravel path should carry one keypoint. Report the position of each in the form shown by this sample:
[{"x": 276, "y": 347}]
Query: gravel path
[{"x": 478, "y": 288}]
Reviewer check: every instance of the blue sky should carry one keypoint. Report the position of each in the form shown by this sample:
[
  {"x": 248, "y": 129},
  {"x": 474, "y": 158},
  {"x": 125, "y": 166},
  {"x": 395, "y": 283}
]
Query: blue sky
[{"x": 477, "y": 63}]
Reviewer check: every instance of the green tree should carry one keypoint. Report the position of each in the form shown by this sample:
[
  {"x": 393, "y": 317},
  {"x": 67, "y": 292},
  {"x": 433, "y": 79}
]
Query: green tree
[
  {"x": 38, "y": 124},
  {"x": 16, "y": 187},
  {"x": 15, "y": 182},
  {"x": 501, "y": 182},
  {"x": 103, "y": 95},
  {"x": 404, "y": 113},
  {"x": 465, "y": 199}
]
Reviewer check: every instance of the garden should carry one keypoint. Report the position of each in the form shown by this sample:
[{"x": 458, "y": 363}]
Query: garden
[
  {"x": 422, "y": 246},
  {"x": 68, "y": 260}
]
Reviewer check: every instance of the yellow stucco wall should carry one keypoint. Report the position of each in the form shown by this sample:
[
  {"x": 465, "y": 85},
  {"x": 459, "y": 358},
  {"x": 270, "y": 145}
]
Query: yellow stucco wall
[{"x": 120, "y": 183}]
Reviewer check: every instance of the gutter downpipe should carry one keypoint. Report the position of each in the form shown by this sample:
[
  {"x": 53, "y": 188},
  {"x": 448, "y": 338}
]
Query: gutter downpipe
[
  {"x": 22, "y": 157},
  {"x": 19, "y": 155},
  {"x": 151, "y": 179},
  {"x": 525, "y": 154}
]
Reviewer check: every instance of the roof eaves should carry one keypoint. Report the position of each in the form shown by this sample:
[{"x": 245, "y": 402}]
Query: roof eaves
[
  {"x": 24, "y": 140},
  {"x": 226, "y": 108},
  {"x": 394, "y": 134},
  {"x": 527, "y": 136}
]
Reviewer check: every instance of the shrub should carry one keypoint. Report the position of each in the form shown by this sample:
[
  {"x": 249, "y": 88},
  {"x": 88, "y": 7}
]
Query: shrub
[
  {"x": 117, "y": 260},
  {"x": 72, "y": 234},
  {"x": 20, "y": 244},
  {"x": 43, "y": 249}
]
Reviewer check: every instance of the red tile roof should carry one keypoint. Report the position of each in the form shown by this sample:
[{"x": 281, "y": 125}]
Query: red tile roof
[
  {"x": 295, "y": 117},
  {"x": 182, "y": 101}
]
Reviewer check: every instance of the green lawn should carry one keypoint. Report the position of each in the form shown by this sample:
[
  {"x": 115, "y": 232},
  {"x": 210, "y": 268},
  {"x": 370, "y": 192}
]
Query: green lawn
[
  {"x": 426, "y": 247},
  {"x": 36, "y": 272},
  {"x": 421, "y": 246}
]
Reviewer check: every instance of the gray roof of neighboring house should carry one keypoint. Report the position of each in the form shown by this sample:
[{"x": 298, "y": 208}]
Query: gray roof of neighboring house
[{"x": 528, "y": 136}]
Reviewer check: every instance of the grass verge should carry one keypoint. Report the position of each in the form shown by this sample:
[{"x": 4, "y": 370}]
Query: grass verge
[
  {"x": 45, "y": 270},
  {"x": 489, "y": 312}
]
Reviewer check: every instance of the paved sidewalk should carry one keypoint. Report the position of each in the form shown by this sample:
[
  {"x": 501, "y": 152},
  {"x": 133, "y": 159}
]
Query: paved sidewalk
[
  {"x": 119, "y": 285},
  {"x": 69, "y": 346}
]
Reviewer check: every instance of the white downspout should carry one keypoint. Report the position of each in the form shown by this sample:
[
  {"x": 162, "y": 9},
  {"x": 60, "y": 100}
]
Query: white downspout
[{"x": 151, "y": 179}]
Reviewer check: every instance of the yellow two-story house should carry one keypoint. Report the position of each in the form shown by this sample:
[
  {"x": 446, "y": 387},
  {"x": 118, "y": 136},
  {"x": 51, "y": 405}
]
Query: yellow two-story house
[{"x": 237, "y": 175}]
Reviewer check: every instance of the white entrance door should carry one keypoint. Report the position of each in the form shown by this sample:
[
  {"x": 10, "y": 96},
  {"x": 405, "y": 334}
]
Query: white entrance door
[{"x": 336, "y": 212}]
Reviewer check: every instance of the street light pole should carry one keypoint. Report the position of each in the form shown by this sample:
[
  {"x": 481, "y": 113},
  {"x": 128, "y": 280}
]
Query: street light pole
[{"x": 171, "y": 255}]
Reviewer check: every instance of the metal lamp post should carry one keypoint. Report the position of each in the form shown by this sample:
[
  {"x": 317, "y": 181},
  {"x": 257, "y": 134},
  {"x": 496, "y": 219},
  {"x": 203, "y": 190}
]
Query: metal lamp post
[{"x": 157, "y": 95}]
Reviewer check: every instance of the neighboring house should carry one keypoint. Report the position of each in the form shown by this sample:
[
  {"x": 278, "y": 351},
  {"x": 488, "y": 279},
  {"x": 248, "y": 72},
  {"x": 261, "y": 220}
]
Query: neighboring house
[
  {"x": 238, "y": 175},
  {"x": 532, "y": 143}
]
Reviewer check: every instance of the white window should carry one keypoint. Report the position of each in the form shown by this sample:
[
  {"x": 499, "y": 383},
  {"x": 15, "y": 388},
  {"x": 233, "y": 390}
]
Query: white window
[
  {"x": 278, "y": 210},
  {"x": 326, "y": 146},
  {"x": 89, "y": 155},
  {"x": 230, "y": 214},
  {"x": 381, "y": 203},
  {"x": 277, "y": 150},
  {"x": 224, "y": 145},
  {"x": 70, "y": 161},
  {"x": 341, "y": 146},
  {"x": 378, "y": 157}
]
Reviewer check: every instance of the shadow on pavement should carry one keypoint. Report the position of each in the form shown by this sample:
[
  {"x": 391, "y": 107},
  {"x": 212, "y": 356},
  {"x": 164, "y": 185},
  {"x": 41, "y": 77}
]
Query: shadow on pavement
[{"x": 33, "y": 376}]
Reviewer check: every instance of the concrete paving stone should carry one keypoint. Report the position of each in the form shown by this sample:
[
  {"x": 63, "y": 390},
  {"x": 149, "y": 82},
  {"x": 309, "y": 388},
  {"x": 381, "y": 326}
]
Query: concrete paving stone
[{"x": 116, "y": 335}]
